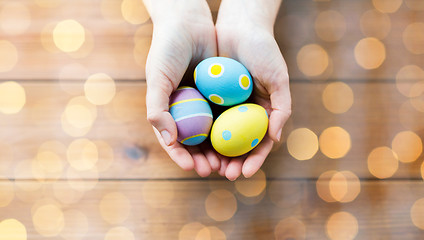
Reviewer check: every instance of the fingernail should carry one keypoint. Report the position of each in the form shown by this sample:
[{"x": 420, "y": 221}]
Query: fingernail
[
  {"x": 279, "y": 134},
  {"x": 166, "y": 137}
]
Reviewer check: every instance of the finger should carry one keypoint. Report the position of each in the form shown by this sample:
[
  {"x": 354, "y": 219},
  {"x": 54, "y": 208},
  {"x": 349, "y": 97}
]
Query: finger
[
  {"x": 224, "y": 164},
  {"x": 201, "y": 164},
  {"x": 211, "y": 156},
  {"x": 234, "y": 168},
  {"x": 177, "y": 153},
  {"x": 257, "y": 157},
  {"x": 281, "y": 107}
]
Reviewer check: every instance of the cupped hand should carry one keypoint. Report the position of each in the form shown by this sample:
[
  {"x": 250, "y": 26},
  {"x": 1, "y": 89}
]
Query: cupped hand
[
  {"x": 249, "y": 39},
  {"x": 184, "y": 34}
]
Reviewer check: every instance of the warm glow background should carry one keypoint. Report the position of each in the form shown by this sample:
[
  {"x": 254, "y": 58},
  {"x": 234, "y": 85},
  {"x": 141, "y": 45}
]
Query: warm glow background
[{"x": 78, "y": 159}]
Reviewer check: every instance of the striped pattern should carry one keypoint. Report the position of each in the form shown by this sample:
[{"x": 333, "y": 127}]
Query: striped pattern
[{"x": 187, "y": 100}]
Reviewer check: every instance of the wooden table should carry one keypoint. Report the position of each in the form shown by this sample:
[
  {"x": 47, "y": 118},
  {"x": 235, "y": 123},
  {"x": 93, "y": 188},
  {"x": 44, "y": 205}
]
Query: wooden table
[{"x": 349, "y": 166}]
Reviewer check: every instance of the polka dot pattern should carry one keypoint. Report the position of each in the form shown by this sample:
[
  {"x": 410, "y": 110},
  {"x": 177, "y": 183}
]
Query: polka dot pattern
[
  {"x": 226, "y": 135},
  {"x": 242, "y": 109},
  {"x": 254, "y": 142},
  {"x": 216, "y": 70},
  {"x": 215, "y": 98},
  {"x": 244, "y": 82}
]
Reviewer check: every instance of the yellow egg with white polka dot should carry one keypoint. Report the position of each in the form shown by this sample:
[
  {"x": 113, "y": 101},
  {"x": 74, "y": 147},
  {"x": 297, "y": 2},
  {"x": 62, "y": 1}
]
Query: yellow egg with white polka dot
[{"x": 239, "y": 129}]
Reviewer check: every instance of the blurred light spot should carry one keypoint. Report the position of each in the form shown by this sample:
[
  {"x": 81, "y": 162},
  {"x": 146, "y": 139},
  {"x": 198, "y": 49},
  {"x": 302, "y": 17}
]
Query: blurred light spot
[
  {"x": 69, "y": 35},
  {"x": 251, "y": 187},
  {"x": 7, "y": 192},
  {"x": 119, "y": 233},
  {"x": 99, "y": 89},
  {"x": 144, "y": 32},
  {"x": 302, "y": 144},
  {"x": 408, "y": 80},
  {"x": 337, "y": 97},
  {"x": 284, "y": 195},
  {"x": 106, "y": 154},
  {"x": 312, "y": 60},
  {"x": 47, "y": 165},
  {"x": 23, "y": 169},
  {"x": 407, "y": 145},
  {"x": 212, "y": 233},
  {"x": 375, "y": 24},
  {"x": 82, "y": 154},
  {"x": 82, "y": 181},
  {"x": 79, "y": 116},
  {"x": 9, "y": 50},
  {"x": 334, "y": 142},
  {"x": 189, "y": 231},
  {"x": 15, "y": 18},
  {"x": 221, "y": 205},
  {"x": 115, "y": 207},
  {"x": 422, "y": 170},
  {"x": 323, "y": 186},
  {"x": 387, "y": 6},
  {"x": 342, "y": 225},
  {"x": 128, "y": 105},
  {"x": 46, "y": 38},
  {"x": 417, "y": 213},
  {"x": 75, "y": 221},
  {"x": 12, "y": 97},
  {"x": 48, "y": 3},
  {"x": 111, "y": 10},
  {"x": 12, "y": 229},
  {"x": 158, "y": 194},
  {"x": 290, "y": 228},
  {"x": 86, "y": 48},
  {"x": 134, "y": 11},
  {"x": 338, "y": 186},
  {"x": 70, "y": 72},
  {"x": 71, "y": 130},
  {"x": 413, "y": 37},
  {"x": 353, "y": 187},
  {"x": 416, "y": 5},
  {"x": 141, "y": 50},
  {"x": 344, "y": 186},
  {"x": 330, "y": 25},
  {"x": 250, "y": 200},
  {"x": 65, "y": 194},
  {"x": 48, "y": 220},
  {"x": 204, "y": 234},
  {"x": 370, "y": 53},
  {"x": 410, "y": 118},
  {"x": 382, "y": 162}
]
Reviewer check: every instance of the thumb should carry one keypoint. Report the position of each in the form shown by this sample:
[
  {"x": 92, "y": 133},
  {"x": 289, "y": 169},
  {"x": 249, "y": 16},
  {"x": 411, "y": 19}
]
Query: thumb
[{"x": 157, "y": 103}]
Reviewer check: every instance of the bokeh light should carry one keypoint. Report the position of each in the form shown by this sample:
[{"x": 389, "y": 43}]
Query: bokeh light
[
  {"x": 75, "y": 222},
  {"x": 407, "y": 145},
  {"x": 330, "y": 25},
  {"x": 387, "y": 6},
  {"x": 290, "y": 228},
  {"x": 119, "y": 233},
  {"x": 82, "y": 154},
  {"x": 111, "y": 11},
  {"x": 9, "y": 50},
  {"x": 375, "y": 24},
  {"x": 82, "y": 181},
  {"x": 158, "y": 194},
  {"x": 342, "y": 226},
  {"x": 210, "y": 233},
  {"x": 48, "y": 220},
  {"x": 382, "y": 162},
  {"x": 221, "y": 205},
  {"x": 134, "y": 11},
  {"x": 7, "y": 192},
  {"x": 413, "y": 37},
  {"x": 190, "y": 230},
  {"x": 141, "y": 50},
  {"x": 337, "y": 97},
  {"x": 312, "y": 60},
  {"x": 66, "y": 194},
  {"x": 417, "y": 213},
  {"x": 370, "y": 53},
  {"x": 344, "y": 186},
  {"x": 115, "y": 207},
  {"x": 416, "y": 5},
  {"x": 12, "y": 229},
  {"x": 284, "y": 195},
  {"x": 78, "y": 117},
  {"x": 409, "y": 80},
  {"x": 99, "y": 89},
  {"x": 323, "y": 187},
  {"x": 47, "y": 165},
  {"x": 69, "y": 35},
  {"x": 15, "y": 18},
  {"x": 48, "y": 3},
  {"x": 253, "y": 186},
  {"x": 334, "y": 142},
  {"x": 302, "y": 143},
  {"x": 409, "y": 117},
  {"x": 12, "y": 97}
]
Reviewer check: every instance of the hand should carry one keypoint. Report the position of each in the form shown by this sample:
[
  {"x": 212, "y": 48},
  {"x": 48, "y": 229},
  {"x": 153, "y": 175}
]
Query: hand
[
  {"x": 245, "y": 33},
  {"x": 183, "y": 34}
]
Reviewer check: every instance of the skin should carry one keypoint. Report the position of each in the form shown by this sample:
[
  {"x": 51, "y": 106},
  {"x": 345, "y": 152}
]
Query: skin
[{"x": 184, "y": 34}]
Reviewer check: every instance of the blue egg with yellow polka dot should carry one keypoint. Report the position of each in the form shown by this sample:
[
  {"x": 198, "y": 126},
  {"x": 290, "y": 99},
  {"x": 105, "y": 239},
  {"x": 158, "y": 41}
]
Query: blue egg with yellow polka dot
[{"x": 223, "y": 81}]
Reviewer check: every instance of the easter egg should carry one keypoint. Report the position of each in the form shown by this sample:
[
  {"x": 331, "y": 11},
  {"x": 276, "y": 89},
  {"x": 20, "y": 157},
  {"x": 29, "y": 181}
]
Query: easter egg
[
  {"x": 192, "y": 115},
  {"x": 223, "y": 81},
  {"x": 239, "y": 129}
]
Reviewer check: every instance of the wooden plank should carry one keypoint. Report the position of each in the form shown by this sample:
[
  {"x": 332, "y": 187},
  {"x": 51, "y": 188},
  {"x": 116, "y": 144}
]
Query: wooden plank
[
  {"x": 169, "y": 209},
  {"x": 378, "y": 113},
  {"x": 120, "y": 48}
]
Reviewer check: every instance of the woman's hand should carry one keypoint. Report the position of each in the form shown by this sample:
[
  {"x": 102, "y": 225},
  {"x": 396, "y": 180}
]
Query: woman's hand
[{"x": 245, "y": 33}]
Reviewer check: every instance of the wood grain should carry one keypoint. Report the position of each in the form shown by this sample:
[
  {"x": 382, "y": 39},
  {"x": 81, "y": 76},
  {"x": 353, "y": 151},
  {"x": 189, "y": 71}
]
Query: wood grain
[
  {"x": 382, "y": 209},
  {"x": 373, "y": 121}
]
